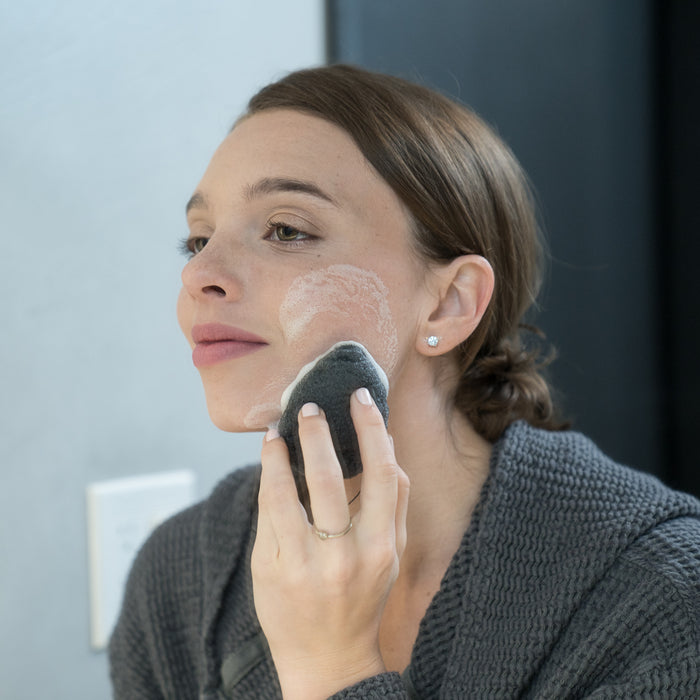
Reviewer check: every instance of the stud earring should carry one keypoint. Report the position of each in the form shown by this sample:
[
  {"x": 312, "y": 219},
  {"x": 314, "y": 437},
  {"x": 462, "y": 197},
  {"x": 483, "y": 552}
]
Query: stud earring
[{"x": 433, "y": 341}]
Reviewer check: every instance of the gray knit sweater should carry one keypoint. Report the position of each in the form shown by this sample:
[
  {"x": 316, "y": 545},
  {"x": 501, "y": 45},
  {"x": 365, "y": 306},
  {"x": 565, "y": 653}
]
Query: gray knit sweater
[{"x": 576, "y": 578}]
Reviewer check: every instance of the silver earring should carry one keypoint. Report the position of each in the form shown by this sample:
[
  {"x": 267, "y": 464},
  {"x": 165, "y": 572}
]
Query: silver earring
[{"x": 433, "y": 341}]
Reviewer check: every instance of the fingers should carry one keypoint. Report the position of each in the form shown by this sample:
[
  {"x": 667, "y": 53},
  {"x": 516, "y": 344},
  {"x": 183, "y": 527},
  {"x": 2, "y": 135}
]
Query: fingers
[
  {"x": 402, "y": 511},
  {"x": 384, "y": 485},
  {"x": 324, "y": 477},
  {"x": 281, "y": 516}
]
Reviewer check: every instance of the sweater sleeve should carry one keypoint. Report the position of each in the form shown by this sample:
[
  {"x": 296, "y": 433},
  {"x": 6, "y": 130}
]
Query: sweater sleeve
[
  {"x": 658, "y": 680},
  {"x": 386, "y": 686},
  {"x": 131, "y": 670},
  {"x": 637, "y": 633},
  {"x": 659, "y": 647},
  {"x": 131, "y": 665},
  {"x": 153, "y": 651}
]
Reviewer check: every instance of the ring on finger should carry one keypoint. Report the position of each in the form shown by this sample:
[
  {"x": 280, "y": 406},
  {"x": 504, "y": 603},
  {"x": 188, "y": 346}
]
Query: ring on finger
[{"x": 323, "y": 535}]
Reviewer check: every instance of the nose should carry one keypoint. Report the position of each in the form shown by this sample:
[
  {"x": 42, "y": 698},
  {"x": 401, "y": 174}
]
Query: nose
[{"x": 210, "y": 274}]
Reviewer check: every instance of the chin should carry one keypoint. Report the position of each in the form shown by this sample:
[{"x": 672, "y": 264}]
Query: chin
[
  {"x": 257, "y": 419},
  {"x": 230, "y": 424}
]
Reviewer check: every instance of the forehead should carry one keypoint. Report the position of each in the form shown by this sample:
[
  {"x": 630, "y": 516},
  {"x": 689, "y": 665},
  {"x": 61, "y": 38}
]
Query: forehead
[
  {"x": 309, "y": 140},
  {"x": 291, "y": 145}
]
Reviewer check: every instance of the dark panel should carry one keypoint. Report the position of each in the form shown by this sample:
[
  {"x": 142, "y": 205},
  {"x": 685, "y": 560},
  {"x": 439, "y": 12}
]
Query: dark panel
[
  {"x": 568, "y": 85},
  {"x": 679, "y": 231}
]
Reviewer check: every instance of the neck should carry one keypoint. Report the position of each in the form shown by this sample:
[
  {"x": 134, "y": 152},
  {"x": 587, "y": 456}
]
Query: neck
[{"x": 447, "y": 463}]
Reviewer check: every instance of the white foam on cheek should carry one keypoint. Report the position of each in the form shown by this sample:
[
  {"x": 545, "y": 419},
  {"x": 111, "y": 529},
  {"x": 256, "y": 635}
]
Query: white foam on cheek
[
  {"x": 263, "y": 414},
  {"x": 346, "y": 292},
  {"x": 268, "y": 411}
]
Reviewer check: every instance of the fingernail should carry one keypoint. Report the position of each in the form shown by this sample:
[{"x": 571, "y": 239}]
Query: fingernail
[
  {"x": 271, "y": 434},
  {"x": 309, "y": 409},
  {"x": 364, "y": 397}
]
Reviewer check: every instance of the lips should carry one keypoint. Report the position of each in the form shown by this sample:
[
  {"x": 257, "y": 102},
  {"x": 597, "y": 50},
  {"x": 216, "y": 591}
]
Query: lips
[{"x": 216, "y": 342}]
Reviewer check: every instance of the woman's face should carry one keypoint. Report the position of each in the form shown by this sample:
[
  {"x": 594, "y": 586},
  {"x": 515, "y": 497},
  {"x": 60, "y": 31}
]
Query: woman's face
[{"x": 296, "y": 244}]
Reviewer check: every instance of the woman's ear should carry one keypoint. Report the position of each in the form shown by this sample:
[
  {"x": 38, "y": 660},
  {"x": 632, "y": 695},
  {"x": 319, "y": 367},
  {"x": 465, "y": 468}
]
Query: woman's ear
[{"x": 463, "y": 290}]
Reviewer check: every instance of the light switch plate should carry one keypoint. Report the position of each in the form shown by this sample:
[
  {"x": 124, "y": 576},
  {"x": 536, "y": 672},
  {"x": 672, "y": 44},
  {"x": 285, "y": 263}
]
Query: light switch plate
[{"x": 121, "y": 513}]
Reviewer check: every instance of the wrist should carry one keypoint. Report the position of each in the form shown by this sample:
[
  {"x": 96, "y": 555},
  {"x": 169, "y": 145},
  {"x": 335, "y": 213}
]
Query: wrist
[{"x": 323, "y": 678}]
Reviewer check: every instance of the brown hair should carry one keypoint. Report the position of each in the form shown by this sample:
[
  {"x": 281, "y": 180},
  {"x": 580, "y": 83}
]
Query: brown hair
[{"x": 466, "y": 193}]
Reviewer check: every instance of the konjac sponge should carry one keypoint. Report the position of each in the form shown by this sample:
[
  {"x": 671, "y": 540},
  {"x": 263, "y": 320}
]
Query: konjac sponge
[{"x": 329, "y": 381}]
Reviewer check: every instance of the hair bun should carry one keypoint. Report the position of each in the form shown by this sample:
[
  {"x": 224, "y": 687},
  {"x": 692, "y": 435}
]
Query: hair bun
[{"x": 506, "y": 385}]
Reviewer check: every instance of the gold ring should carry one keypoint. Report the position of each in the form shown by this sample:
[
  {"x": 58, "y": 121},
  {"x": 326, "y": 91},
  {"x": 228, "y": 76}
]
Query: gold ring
[{"x": 323, "y": 535}]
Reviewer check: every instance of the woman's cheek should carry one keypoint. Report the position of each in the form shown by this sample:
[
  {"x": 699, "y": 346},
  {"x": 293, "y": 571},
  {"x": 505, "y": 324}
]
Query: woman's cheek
[
  {"x": 340, "y": 302},
  {"x": 321, "y": 308}
]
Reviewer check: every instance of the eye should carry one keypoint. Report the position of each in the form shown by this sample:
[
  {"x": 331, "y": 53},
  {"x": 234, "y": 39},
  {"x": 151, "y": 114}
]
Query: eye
[
  {"x": 196, "y": 245},
  {"x": 285, "y": 233},
  {"x": 193, "y": 245}
]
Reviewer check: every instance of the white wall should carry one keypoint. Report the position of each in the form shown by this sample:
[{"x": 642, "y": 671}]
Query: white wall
[{"x": 109, "y": 112}]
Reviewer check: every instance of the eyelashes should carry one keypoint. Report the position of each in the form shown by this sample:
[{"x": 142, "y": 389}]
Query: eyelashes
[
  {"x": 278, "y": 232},
  {"x": 191, "y": 245}
]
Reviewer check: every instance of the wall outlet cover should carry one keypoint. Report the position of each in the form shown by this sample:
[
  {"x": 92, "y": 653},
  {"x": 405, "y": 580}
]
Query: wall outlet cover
[{"x": 121, "y": 514}]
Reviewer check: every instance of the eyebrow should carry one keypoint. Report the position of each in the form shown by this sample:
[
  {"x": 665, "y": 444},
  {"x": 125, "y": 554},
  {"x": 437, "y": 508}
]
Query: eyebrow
[
  {"x": 270, "y": 185},
  {"x": 197, "y": 201}
]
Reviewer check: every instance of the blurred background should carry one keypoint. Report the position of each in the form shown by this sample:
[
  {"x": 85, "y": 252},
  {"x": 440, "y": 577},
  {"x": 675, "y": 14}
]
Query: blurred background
[
  {"x": 109, "y": 113},
  {"x": 108, "y": 116}
]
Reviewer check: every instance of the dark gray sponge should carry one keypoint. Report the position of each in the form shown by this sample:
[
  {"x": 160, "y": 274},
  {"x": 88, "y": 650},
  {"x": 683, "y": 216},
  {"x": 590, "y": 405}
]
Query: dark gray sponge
[{"x": 329, "y": 381}]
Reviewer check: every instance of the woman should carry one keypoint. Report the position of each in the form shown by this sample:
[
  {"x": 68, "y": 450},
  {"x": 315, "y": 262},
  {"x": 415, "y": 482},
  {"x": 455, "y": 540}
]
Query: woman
[{"x": 520, "y": 561}]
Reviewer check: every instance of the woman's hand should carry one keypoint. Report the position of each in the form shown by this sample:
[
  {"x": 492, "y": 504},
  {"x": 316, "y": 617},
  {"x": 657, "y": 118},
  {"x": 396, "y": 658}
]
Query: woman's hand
[{"x": 320, "y": 601}]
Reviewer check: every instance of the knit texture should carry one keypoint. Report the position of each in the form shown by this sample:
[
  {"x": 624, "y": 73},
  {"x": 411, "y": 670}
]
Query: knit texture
[{"x": 576, "y": 578}]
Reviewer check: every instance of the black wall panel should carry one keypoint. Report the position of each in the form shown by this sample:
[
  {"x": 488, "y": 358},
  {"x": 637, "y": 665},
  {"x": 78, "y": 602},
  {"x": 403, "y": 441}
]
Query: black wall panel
[
  {"x": 679, "y": 231},
  {"x": 573, "y": 88}
]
